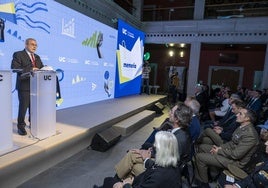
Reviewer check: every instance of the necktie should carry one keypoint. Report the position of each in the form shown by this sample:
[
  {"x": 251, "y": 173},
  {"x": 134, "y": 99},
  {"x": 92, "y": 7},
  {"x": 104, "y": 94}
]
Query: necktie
[
  {"x": 33, "y": 60},
  {"x": 251, "y": 102}
]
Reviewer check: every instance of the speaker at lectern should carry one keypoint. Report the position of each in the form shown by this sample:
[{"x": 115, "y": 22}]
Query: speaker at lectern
[
  {"x": 6, "y": 140},
  {"x": 43, "y": 103}
]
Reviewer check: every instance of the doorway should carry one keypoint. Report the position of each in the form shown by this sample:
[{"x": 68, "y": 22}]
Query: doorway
[{"x": 229, "y": 76}]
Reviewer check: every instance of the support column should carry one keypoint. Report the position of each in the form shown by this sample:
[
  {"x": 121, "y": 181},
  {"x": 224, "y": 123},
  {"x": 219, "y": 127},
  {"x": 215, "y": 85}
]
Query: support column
[
  {"x": 137, "y": 9},
  {"x": 193, "y": 67},
  {"x": 199, "y": 9},
  {"x": 265, "y": 70}
]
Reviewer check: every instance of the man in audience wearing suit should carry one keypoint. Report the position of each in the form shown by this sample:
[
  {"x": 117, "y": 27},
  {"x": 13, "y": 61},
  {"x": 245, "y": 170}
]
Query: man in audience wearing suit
[
  {"x": 227, "y": 118},
  {"x": 194, "y": 126},
  {"x": 255, "y": 103},
  {"x": 132, "y": 163},
  {"x": 27, "y": 61},
  {"x": 221, "y": 134},
  {"x": 238, "y": 151}
]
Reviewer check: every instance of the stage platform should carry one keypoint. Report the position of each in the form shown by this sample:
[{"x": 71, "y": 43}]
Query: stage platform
[{"x": 75, "y": 128}]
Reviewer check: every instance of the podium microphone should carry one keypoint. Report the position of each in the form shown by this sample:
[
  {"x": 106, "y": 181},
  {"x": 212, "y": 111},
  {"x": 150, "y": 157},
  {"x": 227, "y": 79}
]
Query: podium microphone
[{"x": 26, "y": 75}]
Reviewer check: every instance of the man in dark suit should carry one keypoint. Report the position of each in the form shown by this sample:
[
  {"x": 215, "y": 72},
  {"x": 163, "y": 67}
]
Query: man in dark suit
[
  {"x": 27, "y": 61},
  {"x": 194, "y": 126},
  {"x": 237, "y": 152},
  {"x": 132, "y": 164},
  {"x": 255, "y": 103},
  {"x": 228, "y": 118},
  {"x": 221, "y": 134}
]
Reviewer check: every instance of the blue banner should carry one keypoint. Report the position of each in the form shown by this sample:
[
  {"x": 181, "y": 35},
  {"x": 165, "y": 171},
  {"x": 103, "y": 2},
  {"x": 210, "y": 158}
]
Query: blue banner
[{"x": 130, "y": 48}]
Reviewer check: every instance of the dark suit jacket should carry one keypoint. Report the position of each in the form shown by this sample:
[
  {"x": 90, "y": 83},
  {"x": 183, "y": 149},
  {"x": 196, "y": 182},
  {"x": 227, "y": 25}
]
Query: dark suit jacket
[
  {"x": 227, "y": 131},
  {"x": 203, "y": 99},
  {"x": 195, "y": 128},
  {"x": 256, "y": 106},
  {"x": 184, "y": 142},
  {"x": 227, "y": 117},
  {"x": 153, "y": 177},
  {"x": 158, "y": 177},
  {"x": 21, "y": 60}
]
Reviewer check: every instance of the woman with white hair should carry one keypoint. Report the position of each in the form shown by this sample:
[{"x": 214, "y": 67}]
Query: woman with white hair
[{"x": 163, "y": 172}]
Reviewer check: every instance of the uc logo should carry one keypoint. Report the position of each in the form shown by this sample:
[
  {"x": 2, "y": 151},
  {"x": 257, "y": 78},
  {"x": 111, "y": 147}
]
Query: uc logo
[{"x": 47, "y": 77}]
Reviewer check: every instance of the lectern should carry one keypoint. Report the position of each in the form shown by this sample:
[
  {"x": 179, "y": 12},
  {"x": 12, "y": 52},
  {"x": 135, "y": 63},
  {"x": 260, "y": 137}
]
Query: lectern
[
  {"x": 43, "y": 104},
  {"x": 6, "y": 140}
]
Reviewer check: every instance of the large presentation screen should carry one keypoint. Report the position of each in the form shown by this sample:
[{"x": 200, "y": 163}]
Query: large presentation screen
[
  {"x": 130, "y": 49},
  {"x": 80, "y": 49}
]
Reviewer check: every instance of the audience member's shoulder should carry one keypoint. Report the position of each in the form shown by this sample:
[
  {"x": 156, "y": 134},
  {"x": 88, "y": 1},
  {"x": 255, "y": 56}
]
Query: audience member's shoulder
[
  {"x": 19, "y": 52},
  {"x": 251, "y": 127},
  {"x": 252, "y": 131},
  {"x": 182, "y": 132},
  {"x": 249, "y": 130}
]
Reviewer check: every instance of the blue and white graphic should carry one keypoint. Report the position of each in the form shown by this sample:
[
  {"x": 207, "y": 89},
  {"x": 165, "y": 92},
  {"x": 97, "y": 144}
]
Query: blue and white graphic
[
  {"x": 130, "y": 49},
  {"x": 28, "y": 15}
]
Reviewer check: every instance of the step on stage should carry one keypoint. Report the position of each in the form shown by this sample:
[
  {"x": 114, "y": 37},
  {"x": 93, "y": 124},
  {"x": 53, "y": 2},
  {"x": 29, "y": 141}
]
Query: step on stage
[{"x": 75, "y": 127}]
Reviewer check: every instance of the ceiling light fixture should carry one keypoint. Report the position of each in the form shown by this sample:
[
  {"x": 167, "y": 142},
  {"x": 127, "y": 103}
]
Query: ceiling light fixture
[
  {"x": 181, "y": 53},
  {"x": 182, "y": 45},
  {"x": 171, "y": 53}
]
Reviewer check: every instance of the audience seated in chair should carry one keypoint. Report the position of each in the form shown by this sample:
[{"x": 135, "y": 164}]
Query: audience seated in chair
[
  {"x": 131, "y": 164},
  {"x": 237, "y": 152},
  {"x": 255, "y": 102},
  {"x": 194, "y": 130},
  {"x": 194, "y": 126},
  {"x": 221, "y": 134},
  {"x": 221, "y": 111},
  {"x": 233, "y": 174},
  {"x": 227, "y": 118},
  {"x": 258, "y": 178},
  {"x": 164, "y": 171}
]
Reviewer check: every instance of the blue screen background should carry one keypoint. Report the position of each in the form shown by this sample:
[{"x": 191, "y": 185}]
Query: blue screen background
[{"x": 67, "y": 41}]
